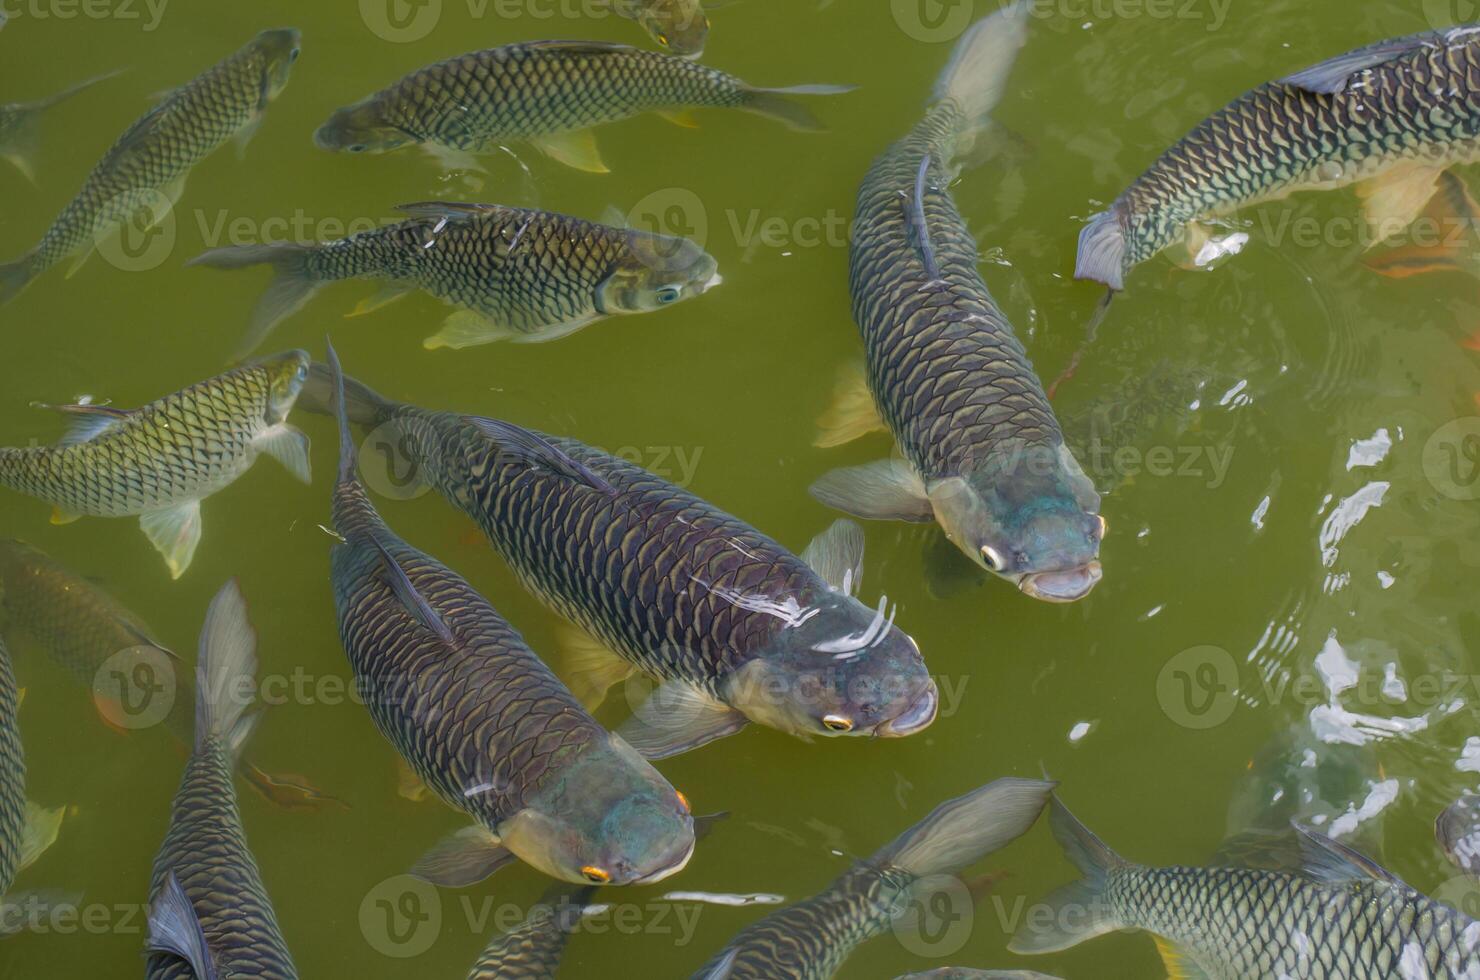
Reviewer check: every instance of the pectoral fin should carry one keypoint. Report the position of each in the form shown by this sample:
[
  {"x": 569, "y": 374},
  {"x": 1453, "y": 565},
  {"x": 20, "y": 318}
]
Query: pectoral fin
[
  {"x": 678, "y": 718},
  {"x": 889, "y": 490},
  {"x": 948, "y": 572},
  {"x": 837, "y": 555},
  {"x": 410, "y": 786},
  {"x": 592, "y": 668},
  {"x": 384, "y": 297},
  {"x": 462, "y": 859},
  {"x": 1178, "y": 963},
  {"x": 41, "y": 831},
  {"x": 1393, "y": 199},
  {"x": 576, "y": 150},
  {"x": 288, "y": 446},
  {"x": 465, "y": 329},
  {"x": 60, "y": 517},
  {"x": 174, "y": 927},
  {"x": 244, "y": 135},
  {"x": 451, "y": 159},
  {"x": 175, "y": 533},
  {"x": 853, "y": 412},
  {"x": 680, "y": 117},
  {"x": 1448, "y": 239}
]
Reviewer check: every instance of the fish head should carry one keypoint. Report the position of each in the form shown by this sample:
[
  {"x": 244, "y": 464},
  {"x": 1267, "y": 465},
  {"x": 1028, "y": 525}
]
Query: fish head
[
  {"x": 680, "y": 26},
  {"x": 286, "y": 374},
  {"x": 276, "y": 52},
  {"x": 838, "y": 669},
  {"x": 1030, "y": 516},
  {"x": 362, "y": 128},
  {"x": 657, "y": 271},
  {"x": 608, "y": 819}
]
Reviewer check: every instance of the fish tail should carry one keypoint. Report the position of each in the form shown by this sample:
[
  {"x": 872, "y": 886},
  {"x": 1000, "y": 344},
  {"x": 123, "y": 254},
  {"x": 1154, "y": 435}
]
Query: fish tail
[
  {"x": 291, "y": 288},
  {"x": 362, "y": 405},
  {"x": 15, "y": 277},
  {"x": 226, "y": 672},
  {"x": 1102, "y": 248},
  {"x": 1080, "y": 910},
  {"x": 976, "y": 76},
  {"x": 962, "y": 831},
  {"x": 778, "y": 103},
  {"x": 20, "y": 145}
]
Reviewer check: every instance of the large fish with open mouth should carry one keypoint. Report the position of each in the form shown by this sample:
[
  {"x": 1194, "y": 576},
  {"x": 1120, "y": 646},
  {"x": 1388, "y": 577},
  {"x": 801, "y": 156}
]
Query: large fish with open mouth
[
  {"x": 734, "y": 627},
  {"x": 1390, "y": 118},
  {"x": 550, "y": 94},
  {"x": 20, "y": 125},
  {"x": 209, "y": 914},
  {"x": 983, "y": 454},
  {"x": 485, "y": 724},
  {"x": 515, "y": 274},
  {"x": 144, "y": 173},
  {"x": 1339, "y": 916},
  {"x": 159, "y": 462},
  {"x": 811, "y": 939}
]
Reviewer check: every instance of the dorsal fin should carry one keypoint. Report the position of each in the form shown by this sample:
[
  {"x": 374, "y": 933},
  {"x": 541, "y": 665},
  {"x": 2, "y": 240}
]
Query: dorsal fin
[
  {"x": 1333, "y": 862},
  {"x": 1333, "y": 76},
  {"x": 917, "y": 221},
  {"x": 451, "y": 210},
  {"x": 415, "y": 603},
  {"x": 536, "y": 449},
  {"x": 86, "y": 422}
]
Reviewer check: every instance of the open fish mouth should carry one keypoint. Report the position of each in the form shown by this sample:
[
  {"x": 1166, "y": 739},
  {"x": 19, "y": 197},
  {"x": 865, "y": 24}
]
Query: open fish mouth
[
  {"x": 672, "y": 869},
  {"x": 916, "y": 718},
  {"x": 1070, "y": 585}
]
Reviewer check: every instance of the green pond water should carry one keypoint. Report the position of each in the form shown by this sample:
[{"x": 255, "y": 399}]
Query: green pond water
[{"x": 1294, "y": 532}]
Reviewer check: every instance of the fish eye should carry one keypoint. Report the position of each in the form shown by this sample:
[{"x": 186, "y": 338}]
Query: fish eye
[
  {"x": 837, "y": 723},
  {"x": 595, "y": 875},
  {"x": 302, "y": 372},
  {"x": 669, "y": 294},
  {"x": 684, "y": 802},
  {"x": 293, "y": 55},
  {"x": 1104, "y": 525},
  {"x": 663, "y": 39},
  {"x": 992, "y": 558},
  {"x": 356, "y": 148}
]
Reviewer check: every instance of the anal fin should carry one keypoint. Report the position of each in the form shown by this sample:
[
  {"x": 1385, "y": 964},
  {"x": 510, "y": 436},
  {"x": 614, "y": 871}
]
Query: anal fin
[
  {"x": 853, "y": 413},
  {"x": 175, "y": 533},
  {"x": 592, "y": 668}
]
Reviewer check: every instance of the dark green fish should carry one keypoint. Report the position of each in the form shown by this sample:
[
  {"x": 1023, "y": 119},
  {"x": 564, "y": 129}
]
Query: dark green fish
[
  {"x": 680, "y": 26},
  {"x": 520, "y": 275},
  {"x": 1458, "y": 833},
  {"x": 209, "y": 915},
  {"x": 548, "y": 93},
  {"x": 20, "y": 125},
  {"x": 486, "y": 725},
  {"x": 735, "y": 627},
  {"x": 159, "y": 462},
  {"x": 533, "y": 950},
  {"x": 26, "y": 829},
  {"x": 810, "y": 940},
  {"x": 983, "y": 455},
  {"x": 80, "y": 626},
  {"x": 144, "y": 173},
  {"x": 1391, "y": 117},
  {"x": 1339, "y": 917}
]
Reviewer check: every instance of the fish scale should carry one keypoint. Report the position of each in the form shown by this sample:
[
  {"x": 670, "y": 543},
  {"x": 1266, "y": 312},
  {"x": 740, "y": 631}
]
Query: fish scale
[
  {"x": 207, "y": 850},
  {"x": 12, "y": 776},
  {"x": 183, "y": 447},
  {"x": 533, "y": 949}
]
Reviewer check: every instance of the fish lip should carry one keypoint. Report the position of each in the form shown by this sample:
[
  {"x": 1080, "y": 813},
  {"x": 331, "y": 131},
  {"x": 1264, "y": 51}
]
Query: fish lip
[
  {"x": 1065, "y": 585},
  {"x": 919, "y": 716},
  {"x": 672, "y": 869}
]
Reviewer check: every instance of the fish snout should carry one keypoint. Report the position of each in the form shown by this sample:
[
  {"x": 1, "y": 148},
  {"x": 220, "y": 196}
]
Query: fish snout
[
  {"x": 916, "y": 718},
  {"x": 671, "y": 868},
  {"x": 1069, "y": 585}
]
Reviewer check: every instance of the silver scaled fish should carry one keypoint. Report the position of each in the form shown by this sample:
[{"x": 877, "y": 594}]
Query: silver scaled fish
[
  {"x": 159, "y": 462},
  {"x": 679, "y": 26},
  {"x": 533, "y": 949},
  {"x": 983, "y": 453}
]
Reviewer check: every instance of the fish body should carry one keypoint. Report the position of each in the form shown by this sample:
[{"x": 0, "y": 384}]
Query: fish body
[
  {"x": 533, "y": 949},
  {"x": 735, "y": 626},
  {"x": 20, "y": 122},
  {"x": 160, "y": 461},
  {"x": 145, "y": 170},
  {"x": 545, "y": 92},
  {"x": 1340, "y": 917},
  {"x": 209, "y": 913},
  {"x": 1458, "y": 832},
  {"x": 983, "y": 454},
  {"x": 1392, "y": 116},
  {"x": 12, "y": 776},
  {"x": 811, "y": 939},
  {"x": 486, "y": 725},
  {"x": 963, "y": 973},
  {"x": 516, "y": 274},
  {"x": 680, "y": 26}
]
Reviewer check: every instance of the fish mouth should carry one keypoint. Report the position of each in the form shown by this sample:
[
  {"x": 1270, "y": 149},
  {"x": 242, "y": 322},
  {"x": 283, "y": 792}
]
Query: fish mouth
[
  {"x": 670, "y": 870},
  {"x": 916, "y": 718},
  {"x": 714, "y": 280},
  {"x": 1069, "y": 585}
]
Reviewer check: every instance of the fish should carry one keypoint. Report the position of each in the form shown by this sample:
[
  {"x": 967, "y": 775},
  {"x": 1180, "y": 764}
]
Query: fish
[
  {"x": 533, "y": 949},
  {"x": 20, "y": 124},
  {"x": 548, "y": 94},
  {"x": 811, "y": 939},
  {"x": 1340, "y": 915},
  {"x": 733, "y": 627},
  {"x": 142, "y": 176},
  {"x": 484, "y": 723},
  {"x": 963, "y": 973},
  {"x": 160, "y": 461},
  {"x": 981, "y": 451},
  {"x": 1449, "y": 229},
  {"x": 679, "y": 26},
  {"x": 514, "y": 274},
  {"x": 80, "y": 627},
  {"x": 1458, "y": 832},
  {"x": 27, "y": 829},
  {"x": 209, "y": 915},
  {"x": 1390, "y": 118}
]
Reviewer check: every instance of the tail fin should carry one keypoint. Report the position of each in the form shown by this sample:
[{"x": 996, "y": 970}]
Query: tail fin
[
  {"x": 778, "y": 104},
  {"x": 290, "y": 290},
  {"x": 19, "y": 146},
  {"x": 15, "y": 277},
  {"x": 1080, "y": 910},
  {"x": 1102, "y": 250},
  {"x": 226, "y": 672},
  {"x": 962, "y": 831},
  {"x": 362, "y": 405},
  {"x": 976, "y": 76}
]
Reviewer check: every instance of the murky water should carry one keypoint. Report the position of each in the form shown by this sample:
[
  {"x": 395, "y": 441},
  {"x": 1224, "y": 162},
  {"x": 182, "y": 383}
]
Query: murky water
[{"x": 1294, "y": 527}]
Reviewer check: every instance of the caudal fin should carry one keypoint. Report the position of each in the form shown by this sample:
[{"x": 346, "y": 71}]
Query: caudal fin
[
  {"x": 22, "y": 136},
  {"x": 976, "y": 76},
  {"x": 1080, "y": 910},
  {"x": 226, "y": 672},
  {"x": 362, "y": 405},
  {"x": 1102, "y": 250},
  {"x": 290, "y": 290},
  {"x": 962, "y": 831},
  {"x": 15, "y": 277},
  {"x": 779, "y": 104}
]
